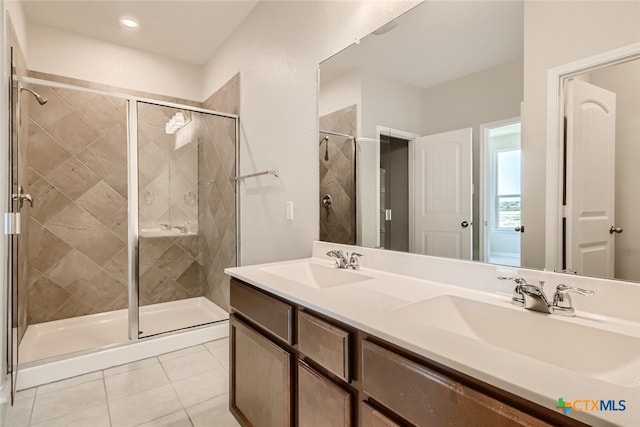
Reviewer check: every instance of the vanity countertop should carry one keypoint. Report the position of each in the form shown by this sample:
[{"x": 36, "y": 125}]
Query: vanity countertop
[{"x": 391, "y": 307}]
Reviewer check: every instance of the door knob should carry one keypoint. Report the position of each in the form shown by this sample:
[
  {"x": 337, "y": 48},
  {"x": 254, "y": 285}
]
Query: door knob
[
  {"x": 615, "y": 230},
  {"x": 519, "y": 228},
  {"x": 464, "y": 224},
  {"x": 21, "y": 197}
]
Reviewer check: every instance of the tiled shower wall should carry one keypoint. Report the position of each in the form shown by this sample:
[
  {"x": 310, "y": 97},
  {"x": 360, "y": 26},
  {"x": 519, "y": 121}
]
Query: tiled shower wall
[
  {"x": 337, "y": 177},
  {"x": 78, "y": 227}
]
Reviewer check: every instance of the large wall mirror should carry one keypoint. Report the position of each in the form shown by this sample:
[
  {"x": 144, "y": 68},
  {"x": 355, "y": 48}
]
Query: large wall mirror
[{"x": 433, "y": 134}]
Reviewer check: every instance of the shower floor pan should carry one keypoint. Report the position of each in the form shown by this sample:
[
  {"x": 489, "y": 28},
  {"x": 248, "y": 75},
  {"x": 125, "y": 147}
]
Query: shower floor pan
[{"x": 58, "y": 337}]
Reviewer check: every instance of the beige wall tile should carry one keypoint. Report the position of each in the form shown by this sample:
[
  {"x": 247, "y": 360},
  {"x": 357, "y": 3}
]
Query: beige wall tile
[
  {"x": 73, "y": 178},
  {"x": 95, "y": 109},
  {"x": 118, "y": 180},
  {"x": 99, "y": 292},
  {"x": 46, "y": 115},
  {"x": 101, "y": 201},
  {"x": 73, "y": 307},
  {"x": 72, "y": 132},
  {"x": 174, "y": 261},
  {"x": 74, "y": 266},
  {"x": 118, "y": 223},
  {"x": 45, "y": 153},
  {"x": 73, "y": 225},
  {"x": 48, "y": 201},
  {"x": 118, "y": 266},
  {"x": 101, "y": 245},
  {"x": 45, "y": 298},
  {"x": 45, "y": 248},
  {"x": 102, "y": 157}
]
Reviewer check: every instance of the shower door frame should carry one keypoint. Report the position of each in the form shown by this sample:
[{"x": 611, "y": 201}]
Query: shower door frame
[{"x": 133, "y": 285}]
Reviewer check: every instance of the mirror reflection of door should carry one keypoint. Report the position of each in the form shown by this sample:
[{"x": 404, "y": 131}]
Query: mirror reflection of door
[
  {"x": 502, "y": 200},
  {"x": 442, "y": 194},
  {"x": 589, "y": 201}
]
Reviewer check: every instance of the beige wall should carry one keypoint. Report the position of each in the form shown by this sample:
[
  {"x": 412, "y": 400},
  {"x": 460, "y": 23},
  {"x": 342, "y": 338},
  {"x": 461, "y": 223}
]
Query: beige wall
[{"x": 556, "y": 33}]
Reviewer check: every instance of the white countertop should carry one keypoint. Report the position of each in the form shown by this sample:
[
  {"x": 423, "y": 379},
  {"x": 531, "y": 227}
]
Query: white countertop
[{"x": 369, "y": 305}]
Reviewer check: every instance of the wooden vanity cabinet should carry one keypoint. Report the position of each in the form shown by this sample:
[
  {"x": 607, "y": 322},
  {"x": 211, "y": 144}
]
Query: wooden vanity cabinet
[{"x": 291, "y": 366}]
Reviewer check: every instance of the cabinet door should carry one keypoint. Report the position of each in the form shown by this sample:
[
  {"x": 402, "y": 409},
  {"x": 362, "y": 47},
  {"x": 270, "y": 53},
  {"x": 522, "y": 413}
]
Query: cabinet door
[
  {"x": 321, "y": 402},
  {"x": 260, "y": 378},
  {"x": 373, "y": 418}
]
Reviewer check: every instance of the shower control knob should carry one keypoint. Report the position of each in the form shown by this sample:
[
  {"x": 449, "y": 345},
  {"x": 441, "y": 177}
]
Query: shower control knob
[{"x": 326, "y": 201}]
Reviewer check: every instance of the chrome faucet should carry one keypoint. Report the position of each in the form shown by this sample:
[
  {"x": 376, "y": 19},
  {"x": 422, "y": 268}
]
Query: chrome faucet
[
  {"x": 341, "y": 259},
  {"x": 532, "y": 297}
]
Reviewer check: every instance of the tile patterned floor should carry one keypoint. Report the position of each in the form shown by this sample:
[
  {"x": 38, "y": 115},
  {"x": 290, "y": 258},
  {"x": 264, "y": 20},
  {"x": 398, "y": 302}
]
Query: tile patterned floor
[{"x": 186, "y": 388}]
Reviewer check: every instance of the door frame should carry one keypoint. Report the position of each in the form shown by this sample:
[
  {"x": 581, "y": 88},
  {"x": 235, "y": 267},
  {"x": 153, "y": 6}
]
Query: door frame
[
  {"x": 556, "y": 79},
  {"x": 410, "y": 137},
  {"x": 483, "y": 187}
]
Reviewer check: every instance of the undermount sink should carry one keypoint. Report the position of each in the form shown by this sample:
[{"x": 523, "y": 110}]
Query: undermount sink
[
  {"x": 315, "y": 275},
  {"x": 608, "y": 356}
]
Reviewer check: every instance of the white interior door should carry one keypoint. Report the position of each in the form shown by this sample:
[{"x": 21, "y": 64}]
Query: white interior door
[
  {"x": 590, "y": 179},
  {"x": 442, "y": 194}
]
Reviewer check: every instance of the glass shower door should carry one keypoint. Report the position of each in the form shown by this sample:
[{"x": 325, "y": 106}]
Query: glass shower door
[{"x": 186, "y": 216}]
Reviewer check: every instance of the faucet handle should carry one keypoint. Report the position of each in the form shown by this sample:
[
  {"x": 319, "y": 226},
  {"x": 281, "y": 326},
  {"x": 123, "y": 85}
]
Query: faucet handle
[
  {"x": 564, "y": 289},
  {"x": 518, "y": 280},
  {"x": 518, "y": 296},
  {"x": 354, "y": 263},
  {"x": 339, "y": 256},
  {"x": 562, "y": 300}
]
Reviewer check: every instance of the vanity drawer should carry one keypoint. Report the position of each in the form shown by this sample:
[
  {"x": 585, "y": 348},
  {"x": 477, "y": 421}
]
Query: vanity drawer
[
  {"x": 325, "y": 344},
  {"x": 270, "y": 313},
  {"x": 426, "y": 397}
]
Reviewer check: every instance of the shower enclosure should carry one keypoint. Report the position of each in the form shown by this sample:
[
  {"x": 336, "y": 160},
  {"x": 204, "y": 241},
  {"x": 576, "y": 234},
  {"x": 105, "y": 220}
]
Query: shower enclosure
[{"x": 123, "y": 217}]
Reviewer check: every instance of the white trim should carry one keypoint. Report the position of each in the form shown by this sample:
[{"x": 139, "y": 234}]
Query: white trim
[
  {"x": 483, "y": 249},
  {"x": 410, "y": 137},
  {"x": 555, "y": 113}
]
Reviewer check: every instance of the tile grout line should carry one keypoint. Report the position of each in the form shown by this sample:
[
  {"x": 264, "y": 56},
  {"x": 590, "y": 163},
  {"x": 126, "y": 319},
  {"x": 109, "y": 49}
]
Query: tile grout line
[
  {"x": 176, "y": 391},
  {"x": 33, "y": 404},
  {"x": 106, "y": 397},
  {"x": 49, "y": 420}
]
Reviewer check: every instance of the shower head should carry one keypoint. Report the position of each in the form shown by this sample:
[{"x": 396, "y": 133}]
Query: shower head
[{"x": 41, "y": 99}]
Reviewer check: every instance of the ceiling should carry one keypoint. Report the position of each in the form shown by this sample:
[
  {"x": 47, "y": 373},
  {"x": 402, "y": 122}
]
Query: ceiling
[
  {"x": 189, "y": 31},
  {"x": 437, "y": 42}
]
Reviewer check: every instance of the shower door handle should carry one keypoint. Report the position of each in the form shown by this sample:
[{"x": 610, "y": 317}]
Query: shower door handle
[{"x": 21, "y": 197}]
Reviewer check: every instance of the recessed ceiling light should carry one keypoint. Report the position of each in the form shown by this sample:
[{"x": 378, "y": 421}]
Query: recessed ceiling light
[{"x": 128, "y": 22}]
